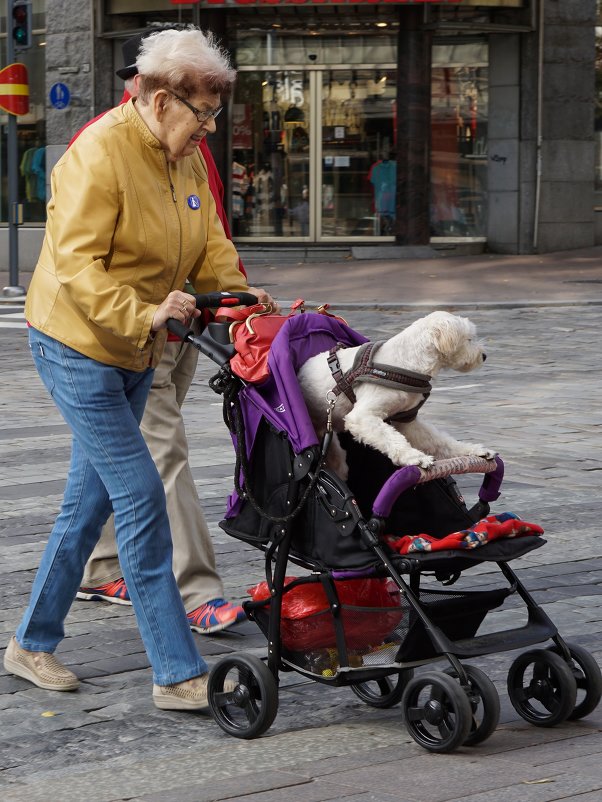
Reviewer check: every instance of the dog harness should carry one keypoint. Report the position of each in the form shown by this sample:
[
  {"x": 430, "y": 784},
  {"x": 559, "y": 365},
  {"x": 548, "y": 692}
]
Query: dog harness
[{"x": 365, "y": 369}]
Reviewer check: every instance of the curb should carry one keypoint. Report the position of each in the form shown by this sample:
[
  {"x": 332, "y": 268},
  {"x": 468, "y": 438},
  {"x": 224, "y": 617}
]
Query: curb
[{"x": 378, "y": 306}]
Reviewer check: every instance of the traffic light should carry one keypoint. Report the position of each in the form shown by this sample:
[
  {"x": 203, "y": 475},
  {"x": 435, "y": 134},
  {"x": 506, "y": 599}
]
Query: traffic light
[{"x": 22, "y": 23}]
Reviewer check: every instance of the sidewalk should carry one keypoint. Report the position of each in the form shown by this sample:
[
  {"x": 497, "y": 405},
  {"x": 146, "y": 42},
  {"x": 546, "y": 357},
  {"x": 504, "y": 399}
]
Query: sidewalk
[
  {"x": 484, "y": 280},
  {"x": 536, "y": 400}
]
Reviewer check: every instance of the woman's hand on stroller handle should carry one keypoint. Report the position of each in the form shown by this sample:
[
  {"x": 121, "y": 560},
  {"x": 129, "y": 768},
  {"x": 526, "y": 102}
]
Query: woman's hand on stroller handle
[
  {"x": 179, "y": 306},
  {"x": 189, "y": 306}
]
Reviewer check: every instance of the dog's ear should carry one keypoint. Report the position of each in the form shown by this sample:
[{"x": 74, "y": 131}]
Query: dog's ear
[{"x": 450, "y": 332}]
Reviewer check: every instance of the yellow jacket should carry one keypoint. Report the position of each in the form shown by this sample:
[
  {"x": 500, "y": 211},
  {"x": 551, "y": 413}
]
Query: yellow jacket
[{"x": 124, "y": 228}]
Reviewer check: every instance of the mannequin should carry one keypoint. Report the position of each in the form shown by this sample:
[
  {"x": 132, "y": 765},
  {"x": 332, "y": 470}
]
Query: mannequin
[
  {"x": 264, "y": 186},
  {"x": 383, "y": 177}
]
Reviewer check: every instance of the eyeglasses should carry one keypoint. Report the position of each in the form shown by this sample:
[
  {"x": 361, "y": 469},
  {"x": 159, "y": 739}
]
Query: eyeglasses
[{"x": 202, "y": 116}]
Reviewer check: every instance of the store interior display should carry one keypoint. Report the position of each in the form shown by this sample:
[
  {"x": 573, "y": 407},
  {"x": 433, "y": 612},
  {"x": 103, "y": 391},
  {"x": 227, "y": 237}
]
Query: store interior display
[{"x": 352, "y": 153}]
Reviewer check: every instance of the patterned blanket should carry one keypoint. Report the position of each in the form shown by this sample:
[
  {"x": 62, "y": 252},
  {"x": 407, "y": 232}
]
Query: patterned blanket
[{"x": 493, "y": 527}]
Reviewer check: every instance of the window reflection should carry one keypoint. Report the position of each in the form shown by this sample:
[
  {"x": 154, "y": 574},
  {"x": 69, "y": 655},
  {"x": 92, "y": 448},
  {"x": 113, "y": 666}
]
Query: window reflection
[
  {"x": 31, "y": 130},
  {"x": 270, "y": 148},
  {"x": 358, "y": 153},
  {"x": 459, "y": 140},
  {"x": 275, "y": 48}
]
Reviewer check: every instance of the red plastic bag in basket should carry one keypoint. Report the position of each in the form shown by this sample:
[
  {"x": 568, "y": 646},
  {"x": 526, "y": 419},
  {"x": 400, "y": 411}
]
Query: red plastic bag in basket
[{"x": 307, "y": 622}]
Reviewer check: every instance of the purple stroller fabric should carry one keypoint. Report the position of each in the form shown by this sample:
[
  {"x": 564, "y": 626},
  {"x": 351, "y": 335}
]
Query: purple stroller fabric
[{"x": 279, "y": 398}]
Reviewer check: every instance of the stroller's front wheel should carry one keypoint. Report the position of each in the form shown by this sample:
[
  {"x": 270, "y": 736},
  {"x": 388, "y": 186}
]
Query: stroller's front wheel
[
  {"x": 588, "y": 678},
  {"x": 542, "y": 688},
  {"x": 436, "y": 712},
  {"x": 243, "y": 696},
  {"x": 385, "y": 691},
  {"x": 484, "y": 703}
]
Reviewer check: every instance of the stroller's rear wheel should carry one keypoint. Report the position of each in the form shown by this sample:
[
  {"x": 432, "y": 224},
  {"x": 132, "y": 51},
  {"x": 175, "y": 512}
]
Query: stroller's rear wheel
[
  {"x": 385, "y": 691},
  {"x": 588, "y": 678},
  {"x": 249, "y": 705},
  {"x": 484, "y": 702},
  {"x": 542, "y": 688},
  {"x": 436, "y": 712}
]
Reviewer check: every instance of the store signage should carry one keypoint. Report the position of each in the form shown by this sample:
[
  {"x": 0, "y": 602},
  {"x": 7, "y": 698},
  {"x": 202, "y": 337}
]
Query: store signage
[
  {"x": 235, "y": 3},
  {"x": 349, "y": 2},
  {"x": 14, "y": 89}
]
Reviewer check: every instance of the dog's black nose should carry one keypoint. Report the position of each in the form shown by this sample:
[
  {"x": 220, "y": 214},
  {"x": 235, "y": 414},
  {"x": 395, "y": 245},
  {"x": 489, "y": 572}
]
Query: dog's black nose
[{"x": 484, "y": 357}]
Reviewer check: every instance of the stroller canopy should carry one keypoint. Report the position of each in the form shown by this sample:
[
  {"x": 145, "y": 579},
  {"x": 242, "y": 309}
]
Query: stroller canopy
[{"x": 279, "y": 398}]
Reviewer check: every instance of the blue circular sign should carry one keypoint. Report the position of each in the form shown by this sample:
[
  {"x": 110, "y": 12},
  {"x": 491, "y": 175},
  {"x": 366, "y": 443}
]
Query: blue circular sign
[
  {"x": 194, "y": 201},
  {"x": 59, "y": 96}
]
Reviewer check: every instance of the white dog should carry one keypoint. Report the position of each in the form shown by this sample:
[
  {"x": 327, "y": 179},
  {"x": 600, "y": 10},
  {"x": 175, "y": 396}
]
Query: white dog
[{"x": 407, "y": 361}]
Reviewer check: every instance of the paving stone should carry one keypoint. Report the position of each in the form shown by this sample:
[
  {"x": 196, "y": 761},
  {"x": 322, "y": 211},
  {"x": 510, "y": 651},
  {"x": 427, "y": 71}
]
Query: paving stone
[{"x": 232, "y": 788}]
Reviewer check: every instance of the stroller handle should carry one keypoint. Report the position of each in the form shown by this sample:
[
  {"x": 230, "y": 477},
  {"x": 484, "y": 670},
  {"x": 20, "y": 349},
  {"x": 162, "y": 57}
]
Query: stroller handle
[
  {"x": 210, "y": 300},
  {"x": 411, "y": 475}
]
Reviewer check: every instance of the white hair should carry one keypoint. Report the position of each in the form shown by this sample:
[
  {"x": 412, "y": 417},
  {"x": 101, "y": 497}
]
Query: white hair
[{"x": 186, "y": 60}]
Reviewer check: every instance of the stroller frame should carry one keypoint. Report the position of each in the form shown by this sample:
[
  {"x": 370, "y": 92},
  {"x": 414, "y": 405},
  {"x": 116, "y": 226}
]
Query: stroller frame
[{"x": 442, "y": 710}]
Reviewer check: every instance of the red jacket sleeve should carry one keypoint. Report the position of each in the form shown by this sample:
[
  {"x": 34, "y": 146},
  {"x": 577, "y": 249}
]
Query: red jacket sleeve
[{"x": 217, "y": 190}]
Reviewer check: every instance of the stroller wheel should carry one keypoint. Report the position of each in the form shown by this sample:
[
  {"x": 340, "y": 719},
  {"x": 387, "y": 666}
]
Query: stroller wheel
[
  {"x": 436, "y": 712},
  {"x": 542, "y": 688},
  {"x": 484, "y": 702},
  {"x": 250, "y": 708},
  {"x": 588, "y": 678},
  {"x": 383, "y": 692}
]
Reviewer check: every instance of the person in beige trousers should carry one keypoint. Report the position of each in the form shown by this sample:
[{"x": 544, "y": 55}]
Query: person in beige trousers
[
  {"x": 163, "y": 429},
  {"x": 162, "y": 426}
]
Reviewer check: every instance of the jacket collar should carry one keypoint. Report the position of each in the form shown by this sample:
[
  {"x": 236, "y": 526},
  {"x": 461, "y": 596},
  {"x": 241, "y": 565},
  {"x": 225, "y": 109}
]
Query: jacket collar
[{"x": 132, "y": 116}]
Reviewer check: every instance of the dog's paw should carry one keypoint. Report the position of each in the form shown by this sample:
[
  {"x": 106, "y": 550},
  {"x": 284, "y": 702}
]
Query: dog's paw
[
  {"x": 488, "y": 453},
  {"x": 479, "y": 450},
  {"x": 413, "y": 458}
]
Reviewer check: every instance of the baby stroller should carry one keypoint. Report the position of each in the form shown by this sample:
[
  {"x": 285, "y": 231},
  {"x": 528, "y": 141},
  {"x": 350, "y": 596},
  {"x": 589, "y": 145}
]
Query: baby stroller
[{"x": 362, "y": 615}]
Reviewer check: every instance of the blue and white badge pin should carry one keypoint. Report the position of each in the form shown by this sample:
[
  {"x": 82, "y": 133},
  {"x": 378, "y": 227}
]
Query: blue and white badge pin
[{"x": 194, "y": 201}]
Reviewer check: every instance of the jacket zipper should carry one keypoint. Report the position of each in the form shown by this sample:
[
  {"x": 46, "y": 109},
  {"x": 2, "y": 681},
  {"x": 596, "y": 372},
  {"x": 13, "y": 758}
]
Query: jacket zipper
[{"x": 173, "y": 195}]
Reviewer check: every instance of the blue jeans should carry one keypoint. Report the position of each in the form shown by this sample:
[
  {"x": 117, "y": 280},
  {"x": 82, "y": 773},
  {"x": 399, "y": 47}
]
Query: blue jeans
[{"x": 111, "y": 470}]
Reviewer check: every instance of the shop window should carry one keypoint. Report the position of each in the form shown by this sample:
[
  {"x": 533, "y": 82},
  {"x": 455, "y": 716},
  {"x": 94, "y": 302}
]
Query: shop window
[
  {"x": 270, "y": 151},
  {"x": 358, "y": 153},
  {"x": 31, "y": 130},
  {"x": 459, "y": 140}
]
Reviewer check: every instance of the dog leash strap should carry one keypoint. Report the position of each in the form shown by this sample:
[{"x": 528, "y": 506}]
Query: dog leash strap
[{"x": 342, "y": 382}]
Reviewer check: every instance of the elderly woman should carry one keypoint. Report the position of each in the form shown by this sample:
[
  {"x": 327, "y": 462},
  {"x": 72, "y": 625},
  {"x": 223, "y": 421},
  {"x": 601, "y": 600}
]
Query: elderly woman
[{"x": 130, "y": 220}]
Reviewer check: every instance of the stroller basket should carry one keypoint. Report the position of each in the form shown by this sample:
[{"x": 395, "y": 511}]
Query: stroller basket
[
  {"x": 371, "y": 639},
  {"x": 356, "y": 638}
]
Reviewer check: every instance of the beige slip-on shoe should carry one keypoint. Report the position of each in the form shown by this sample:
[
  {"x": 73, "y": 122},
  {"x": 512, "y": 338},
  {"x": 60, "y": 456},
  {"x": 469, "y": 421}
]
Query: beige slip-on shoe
[
  {"x": 188, "y": 695},
  {"x": 41, "y": 668}
]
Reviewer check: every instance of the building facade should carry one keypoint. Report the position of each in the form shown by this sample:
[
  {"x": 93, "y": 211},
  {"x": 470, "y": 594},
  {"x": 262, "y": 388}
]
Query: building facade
[{"x": 358, "y": 122}]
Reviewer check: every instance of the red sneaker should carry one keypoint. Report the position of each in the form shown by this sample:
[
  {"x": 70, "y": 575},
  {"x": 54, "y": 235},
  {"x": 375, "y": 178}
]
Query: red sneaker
[
  {"x": 215, "y": 615},
  {"x": 115, "y": 592}
]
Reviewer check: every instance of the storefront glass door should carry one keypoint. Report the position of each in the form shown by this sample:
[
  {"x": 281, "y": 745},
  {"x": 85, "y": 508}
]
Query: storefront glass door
[
  {"x": 357, "y": 165},
  {"x": 271, "y": 155},
  {"x": 312, "y": 179}
]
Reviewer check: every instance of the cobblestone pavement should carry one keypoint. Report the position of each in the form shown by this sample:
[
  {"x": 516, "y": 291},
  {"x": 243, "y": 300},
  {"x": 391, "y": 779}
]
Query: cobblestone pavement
[{"x": 536, "y": 401}]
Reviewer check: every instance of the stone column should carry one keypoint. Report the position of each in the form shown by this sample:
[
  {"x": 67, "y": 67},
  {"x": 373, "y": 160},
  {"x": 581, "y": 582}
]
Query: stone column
[
  {"x": 72, "y": 52},
  {"x": 566, "y": 207},
  {"x": 503, "y": 145},
  {"x": 412, "y": 225}
]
